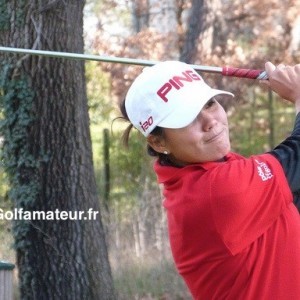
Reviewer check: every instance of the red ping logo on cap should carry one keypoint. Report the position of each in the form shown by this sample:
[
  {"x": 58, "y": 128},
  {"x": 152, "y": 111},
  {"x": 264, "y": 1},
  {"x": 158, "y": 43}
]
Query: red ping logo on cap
[{"x": 177, "y": 82}]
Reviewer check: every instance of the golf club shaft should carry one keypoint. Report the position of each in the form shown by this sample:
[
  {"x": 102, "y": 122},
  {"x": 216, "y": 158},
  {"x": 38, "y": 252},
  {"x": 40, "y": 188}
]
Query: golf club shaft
[{"x": 225, "y": 71}]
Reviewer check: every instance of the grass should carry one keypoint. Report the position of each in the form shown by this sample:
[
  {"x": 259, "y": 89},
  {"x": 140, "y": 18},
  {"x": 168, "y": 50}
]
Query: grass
[{"x": 148, "y": 279}]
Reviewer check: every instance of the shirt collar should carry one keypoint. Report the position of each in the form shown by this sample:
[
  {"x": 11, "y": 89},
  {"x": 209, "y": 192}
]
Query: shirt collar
[{"x": 166, "y": 173}]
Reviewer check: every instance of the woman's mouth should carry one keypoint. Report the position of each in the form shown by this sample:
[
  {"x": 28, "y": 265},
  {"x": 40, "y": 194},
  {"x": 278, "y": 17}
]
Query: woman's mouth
[{"x": 214, "y": 137}]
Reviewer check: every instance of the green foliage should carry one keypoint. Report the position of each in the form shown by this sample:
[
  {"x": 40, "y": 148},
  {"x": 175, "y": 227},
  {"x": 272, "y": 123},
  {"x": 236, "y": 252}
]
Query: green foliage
[
  {"x": 252, "y": 129},
  {"x": 4, "y": 16},
  {"x": 111, "y": 13},
  {"x": 129, "y": 168},
  {"x": 16, "y": 102},
  {"x": 98, "y": 92},
  {"x": 132, "y": 159},
  {"x": 5, "y": 225}
]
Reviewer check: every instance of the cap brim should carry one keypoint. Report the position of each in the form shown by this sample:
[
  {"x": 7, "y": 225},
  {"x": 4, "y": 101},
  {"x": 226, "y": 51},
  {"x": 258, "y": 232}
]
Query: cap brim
[{"x": 185, "y": 114}]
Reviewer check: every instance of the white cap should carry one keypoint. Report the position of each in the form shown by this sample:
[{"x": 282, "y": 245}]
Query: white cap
[{"x": 169, "y": 94}]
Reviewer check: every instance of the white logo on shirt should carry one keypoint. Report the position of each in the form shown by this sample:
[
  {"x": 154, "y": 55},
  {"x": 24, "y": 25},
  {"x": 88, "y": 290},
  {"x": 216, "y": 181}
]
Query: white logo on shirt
[{"x": 263, "y": 171}]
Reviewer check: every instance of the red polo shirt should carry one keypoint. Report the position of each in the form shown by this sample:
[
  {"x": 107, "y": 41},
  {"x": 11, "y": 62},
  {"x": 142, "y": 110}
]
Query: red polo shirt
[{"x": 234, "y": 231}]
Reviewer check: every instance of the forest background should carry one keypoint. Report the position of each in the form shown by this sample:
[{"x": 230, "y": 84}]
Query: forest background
[{"x": 218, "y": 32}]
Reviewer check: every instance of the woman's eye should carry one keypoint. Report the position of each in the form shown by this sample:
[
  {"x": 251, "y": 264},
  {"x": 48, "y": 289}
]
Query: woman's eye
[{"x": 210, "y": 103}]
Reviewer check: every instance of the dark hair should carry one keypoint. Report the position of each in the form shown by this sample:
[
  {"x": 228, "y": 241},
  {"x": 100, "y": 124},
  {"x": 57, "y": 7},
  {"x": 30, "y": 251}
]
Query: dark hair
[{"x": 157, "y": 131}]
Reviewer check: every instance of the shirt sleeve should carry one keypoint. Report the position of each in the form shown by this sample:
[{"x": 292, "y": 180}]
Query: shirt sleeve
[
  {"x": 253, "y": 194},
  {"x": 288, "y": 154}
]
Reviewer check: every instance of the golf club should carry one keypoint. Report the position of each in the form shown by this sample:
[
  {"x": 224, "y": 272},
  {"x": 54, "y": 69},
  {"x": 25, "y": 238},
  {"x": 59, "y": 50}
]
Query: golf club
[{"x": 225, "y": 71}]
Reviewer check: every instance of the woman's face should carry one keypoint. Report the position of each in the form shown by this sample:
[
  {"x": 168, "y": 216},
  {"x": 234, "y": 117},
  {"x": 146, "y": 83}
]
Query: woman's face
[{"x": 205, "y": 139}]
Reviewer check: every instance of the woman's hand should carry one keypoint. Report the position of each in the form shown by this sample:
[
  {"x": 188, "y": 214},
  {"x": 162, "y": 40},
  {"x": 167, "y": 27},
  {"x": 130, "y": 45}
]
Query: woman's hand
[{"x": 285, "y": 81}]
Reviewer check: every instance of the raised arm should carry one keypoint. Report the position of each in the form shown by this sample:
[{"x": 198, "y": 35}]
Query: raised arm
[{"x": 285, "y": 81}]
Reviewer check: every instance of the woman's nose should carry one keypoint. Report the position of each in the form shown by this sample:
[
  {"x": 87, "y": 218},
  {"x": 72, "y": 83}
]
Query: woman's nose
[{"x": 207, "y": 121}]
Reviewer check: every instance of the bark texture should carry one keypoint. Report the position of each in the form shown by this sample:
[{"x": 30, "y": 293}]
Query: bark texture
[{"x": 57, "y": 259}]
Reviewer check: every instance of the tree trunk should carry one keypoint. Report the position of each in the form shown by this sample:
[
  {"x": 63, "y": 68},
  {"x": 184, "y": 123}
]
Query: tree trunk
[
  {"x": 137, "y": 246},
  {"x": 195, "y": 27},
  {"x": 48, "y": 155},
  {"x": 200, "y": 37},
  {"x": 162, "y": 16}
]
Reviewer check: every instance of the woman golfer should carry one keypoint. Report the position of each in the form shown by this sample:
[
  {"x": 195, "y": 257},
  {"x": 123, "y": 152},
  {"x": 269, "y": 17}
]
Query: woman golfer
[{"x": 234, "y": 229}]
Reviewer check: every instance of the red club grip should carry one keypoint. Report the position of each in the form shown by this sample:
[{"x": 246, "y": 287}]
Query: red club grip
[{"x": 245, "y": 73}]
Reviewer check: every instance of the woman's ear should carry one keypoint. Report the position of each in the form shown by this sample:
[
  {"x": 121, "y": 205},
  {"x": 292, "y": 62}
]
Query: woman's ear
[{"x": 157, "y": 143}]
